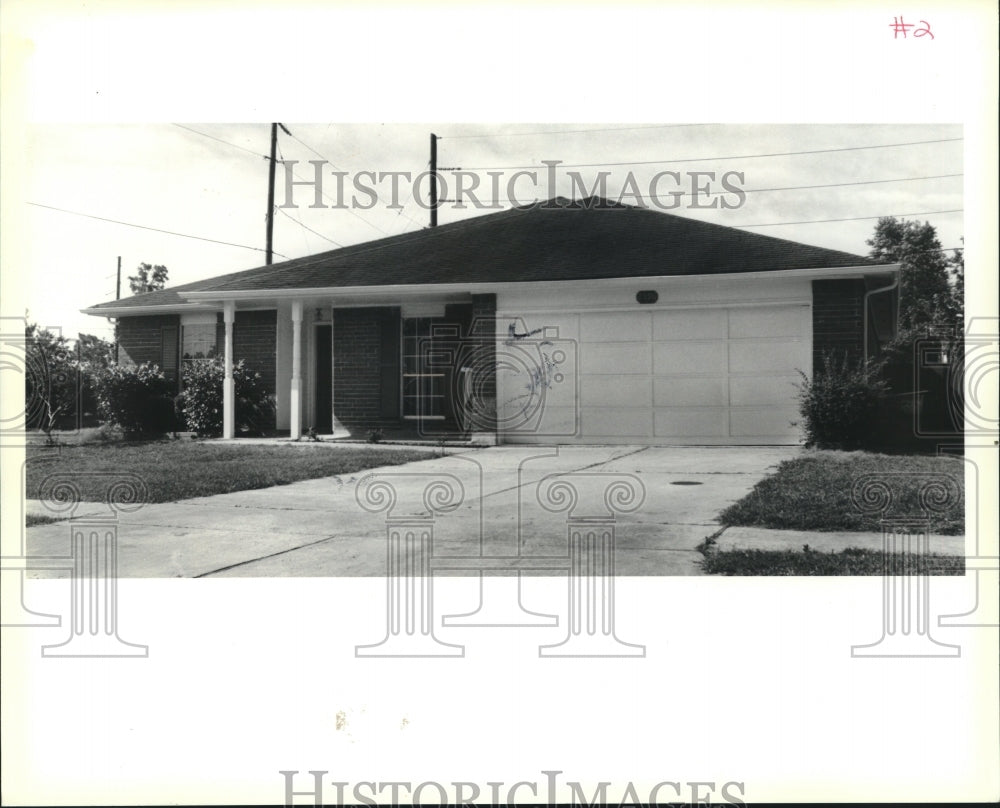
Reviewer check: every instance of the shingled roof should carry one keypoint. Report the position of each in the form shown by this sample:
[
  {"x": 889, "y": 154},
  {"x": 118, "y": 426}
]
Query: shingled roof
[{"x": 585, "y": 240}]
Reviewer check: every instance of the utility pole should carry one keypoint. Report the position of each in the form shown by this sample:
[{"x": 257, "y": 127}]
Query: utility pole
[
  {"x": 269, "y": 254},
  {"x": 434, "y": 180},
  {"x": 118, "y": 296}
]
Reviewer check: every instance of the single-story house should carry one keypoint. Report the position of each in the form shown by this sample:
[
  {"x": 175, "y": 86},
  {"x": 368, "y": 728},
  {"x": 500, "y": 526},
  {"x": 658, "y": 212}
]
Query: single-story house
[{"x": 585, "y": 322}]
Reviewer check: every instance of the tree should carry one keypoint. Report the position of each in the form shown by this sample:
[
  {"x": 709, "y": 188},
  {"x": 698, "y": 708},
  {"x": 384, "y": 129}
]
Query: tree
[
  {"x": 94, "y": 353},
  {"x": 956, "y": 268},
  {"x": 923, "y": 363},
  {"x": 926, "y": 298},
  {"x": 94, "y": 356},
  {"x": 51, "y": 379},
  {"x": 148, "y": 279}
]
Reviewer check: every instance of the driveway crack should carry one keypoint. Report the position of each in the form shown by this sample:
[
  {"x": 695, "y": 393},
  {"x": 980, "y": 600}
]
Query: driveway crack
[{"x": 263, "y": 557}]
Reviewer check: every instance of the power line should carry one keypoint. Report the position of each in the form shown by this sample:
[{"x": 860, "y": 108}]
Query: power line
[
  {"x": 338, "y": 168},
  {"x": 575, "y": 131},
  {"x": 220, "y": 140},
  {"x": 763, "y": 190},
  {"x": 287, "y": 215},
  {"x": 307, "y": 227},
  {"x": 145, "y": 227},
  {"x": 724, "y": 157},
  {"x": 852, "y": 219}
]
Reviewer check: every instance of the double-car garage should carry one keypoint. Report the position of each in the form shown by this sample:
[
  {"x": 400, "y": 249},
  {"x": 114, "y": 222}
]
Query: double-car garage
[{"x": 706, "y": 364}]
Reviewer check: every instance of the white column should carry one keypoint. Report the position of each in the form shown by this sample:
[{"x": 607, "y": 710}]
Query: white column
[
  {"x": 228, "y": 387},
  {"x": 294, "y": 398}
]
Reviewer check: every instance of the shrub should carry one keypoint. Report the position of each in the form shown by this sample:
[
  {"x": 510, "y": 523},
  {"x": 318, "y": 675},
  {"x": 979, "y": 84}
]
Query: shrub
[
  {"x": 137, "y": 400},
  {"x": 202, "y": 398},
  {"x": 842, "y": 404}
]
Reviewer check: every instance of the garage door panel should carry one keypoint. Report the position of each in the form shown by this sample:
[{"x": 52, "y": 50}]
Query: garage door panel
[
  {"x": 689, "y": 422},
  {"x": 762, "y": 390},
  {"x": 767, "y": 356},
  {"x": 614, "y": 391},
  {"x": 767, "y": 321},
  {"x": 617, "y": 358},
  {"x": 547, "y": 421},
  {"x": 689, "y": 357},
  {"x": 688, "y": 325},
  {"x": 616, "y": 422},
  {"x": 689, "y": 391},
  {"x": 616, "y": 327},
  {"x": 764, "y": 422},
  {"x": 556, "y": 325},
  {"x": 710, "y": 375}
]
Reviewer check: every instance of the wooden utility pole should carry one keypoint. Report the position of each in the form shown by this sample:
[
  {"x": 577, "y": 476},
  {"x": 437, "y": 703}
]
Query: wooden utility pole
[
  {"x": 118, "y": 296},
  {"x": 434, "y": 180},
  {"x": 269, "y": 254}
]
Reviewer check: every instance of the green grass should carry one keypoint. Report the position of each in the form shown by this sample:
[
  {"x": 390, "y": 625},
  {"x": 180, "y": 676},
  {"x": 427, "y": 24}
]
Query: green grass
[
  {"x": 846, "y": 562},
  {"x": 32, "y": 519},
  {"x": 183, "y": 469},
  {"x": 814, "y": 493}
]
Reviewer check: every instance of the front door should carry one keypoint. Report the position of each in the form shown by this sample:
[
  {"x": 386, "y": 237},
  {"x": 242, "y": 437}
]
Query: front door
[{"x": 323, "y": 404}]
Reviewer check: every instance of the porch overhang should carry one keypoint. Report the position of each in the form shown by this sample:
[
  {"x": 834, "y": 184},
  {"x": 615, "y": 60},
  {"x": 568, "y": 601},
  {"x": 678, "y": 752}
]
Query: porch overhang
[{"x": 398, "y": 291}]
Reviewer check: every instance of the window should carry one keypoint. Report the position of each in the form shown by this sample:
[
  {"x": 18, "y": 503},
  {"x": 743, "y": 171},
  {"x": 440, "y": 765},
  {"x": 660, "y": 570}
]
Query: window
[
  {"x": 423, "y": 391},
  {"x": 198, "y": 342}
]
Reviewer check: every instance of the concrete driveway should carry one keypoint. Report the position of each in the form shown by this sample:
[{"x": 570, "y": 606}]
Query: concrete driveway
[{"x": 485, "y": 503}]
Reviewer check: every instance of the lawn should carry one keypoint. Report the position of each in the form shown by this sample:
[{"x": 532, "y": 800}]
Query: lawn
[
  {"x": 847, "y": 562},
  {"x": 813, "y": 492},
  {"x": 181, "y": 469}
]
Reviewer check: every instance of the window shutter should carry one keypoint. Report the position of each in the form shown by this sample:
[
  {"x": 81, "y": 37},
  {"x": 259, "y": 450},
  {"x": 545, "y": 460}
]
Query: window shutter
[
  {"x": 168, "y": 352},
  {"x": 389, "y": 369}
]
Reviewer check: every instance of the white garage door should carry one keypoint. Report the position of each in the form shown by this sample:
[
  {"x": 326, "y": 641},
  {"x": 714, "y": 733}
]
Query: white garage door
[{"x": 684, "y": 376}]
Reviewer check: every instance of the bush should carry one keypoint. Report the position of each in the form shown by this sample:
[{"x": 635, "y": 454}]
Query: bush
[
  {"x": 137, "y": 400},
  {"x": 202, "y": 398},
  {"x": 842, "y": 404}
]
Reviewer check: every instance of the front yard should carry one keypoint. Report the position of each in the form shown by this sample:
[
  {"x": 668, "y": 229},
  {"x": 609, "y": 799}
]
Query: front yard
[
  {"x": 180, "y": 469},
  {"x": 814, "y": 493}
]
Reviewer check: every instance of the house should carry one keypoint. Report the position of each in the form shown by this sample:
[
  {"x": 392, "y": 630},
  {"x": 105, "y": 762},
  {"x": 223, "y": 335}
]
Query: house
[{"x": 585, "y": 322}]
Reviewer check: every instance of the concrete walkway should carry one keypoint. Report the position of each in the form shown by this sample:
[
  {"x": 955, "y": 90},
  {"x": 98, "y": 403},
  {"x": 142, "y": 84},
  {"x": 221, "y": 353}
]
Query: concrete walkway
[
  {"x": 758, "y": 538},
  {"x": 316, "y": 528}
]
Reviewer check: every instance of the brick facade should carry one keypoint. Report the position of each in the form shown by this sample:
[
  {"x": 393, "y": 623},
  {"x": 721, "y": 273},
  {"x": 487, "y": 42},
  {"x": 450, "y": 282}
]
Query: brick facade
[
  {"x": 156, "y": 339},
  {"x": 361, "y": 340},
  {"x": 140, "y": 339},
  {"x": 838, "y": 319},
  {"x": 254, "y": 339}
]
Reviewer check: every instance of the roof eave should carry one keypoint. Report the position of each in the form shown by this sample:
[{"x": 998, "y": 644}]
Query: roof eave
[
  {"x": 405, "y": 290},
  {"x": 167, "y": 308}
]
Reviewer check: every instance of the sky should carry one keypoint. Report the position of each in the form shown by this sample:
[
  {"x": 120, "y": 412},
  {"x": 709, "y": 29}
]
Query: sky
[{"x": 209, "y": 180}]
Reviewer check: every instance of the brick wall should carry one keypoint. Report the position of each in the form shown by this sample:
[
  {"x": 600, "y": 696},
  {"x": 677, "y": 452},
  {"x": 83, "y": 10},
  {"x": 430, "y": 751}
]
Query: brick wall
[
  {"x": 358, "y": 364},
  {"x": 838, "y": 319},
  {"x": 140, "y": 338},
  {"x": 254, "y": 339}
]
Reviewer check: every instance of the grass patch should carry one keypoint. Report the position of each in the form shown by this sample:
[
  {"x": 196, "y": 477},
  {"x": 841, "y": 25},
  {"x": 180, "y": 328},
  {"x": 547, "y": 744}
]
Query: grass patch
[
  {"x": 814, "y": 493},
  {"x": 32, "y": 519},
  {"x": 846, "y": 562},
  {"x": 176, "y": 470}
]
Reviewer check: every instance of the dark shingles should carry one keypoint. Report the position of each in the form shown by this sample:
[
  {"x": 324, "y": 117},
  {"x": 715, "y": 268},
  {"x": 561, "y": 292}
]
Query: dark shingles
[{"x": 586, "y": 240}]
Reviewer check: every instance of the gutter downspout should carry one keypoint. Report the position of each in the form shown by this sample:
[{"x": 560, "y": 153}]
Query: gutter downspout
[{"x": 864, "y": 308}]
